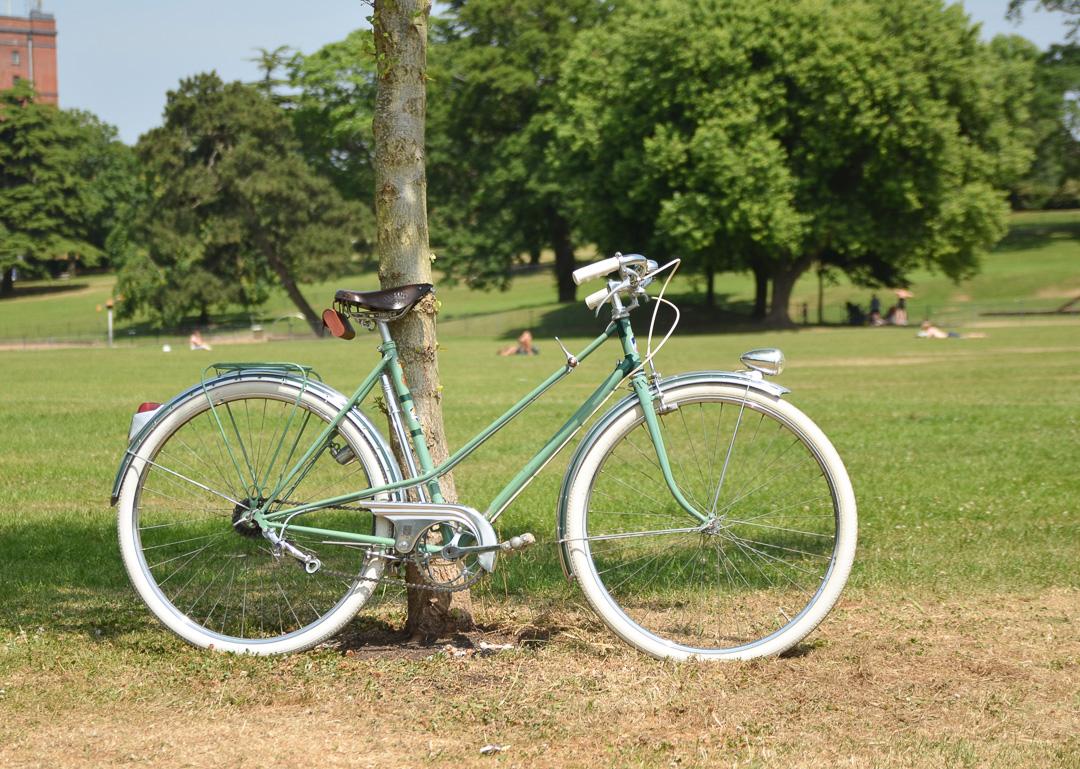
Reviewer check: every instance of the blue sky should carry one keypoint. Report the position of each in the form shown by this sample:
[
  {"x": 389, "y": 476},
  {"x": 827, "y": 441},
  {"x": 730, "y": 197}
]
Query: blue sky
[{"x": 119, "y": 57}]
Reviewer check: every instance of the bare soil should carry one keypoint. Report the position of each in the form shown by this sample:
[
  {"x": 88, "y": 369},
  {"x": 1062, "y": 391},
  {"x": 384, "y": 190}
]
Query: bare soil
[{"x": 887, "y": 681}]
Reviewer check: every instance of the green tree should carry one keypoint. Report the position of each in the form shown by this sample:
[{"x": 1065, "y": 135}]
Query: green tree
[
  {"x": 494, "y": 195},
  {"x": 63, "y": 177},
  {"x": 270, "y": 62},
  {"x": 869, "y": 135},
  {"x": 1054, "y": 179},
  {"x": 231, "y": 209},
  {"x": 333, "y": 106},
  {"x": 112, "y": 172}
]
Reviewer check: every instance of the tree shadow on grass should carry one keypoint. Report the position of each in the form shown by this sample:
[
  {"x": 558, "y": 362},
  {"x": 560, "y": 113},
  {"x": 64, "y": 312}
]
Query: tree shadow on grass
[
  {"x": 729, "y": 316},
  {"x": 45, "y": 289},
  {"x": 1033, "y": 235},
  {"x": 67, "y": 577}
]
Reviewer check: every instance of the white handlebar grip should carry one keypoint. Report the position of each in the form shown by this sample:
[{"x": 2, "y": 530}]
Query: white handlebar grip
[
  {"x": 596, "y": 270},
  {"x": 595, "y": 299}
]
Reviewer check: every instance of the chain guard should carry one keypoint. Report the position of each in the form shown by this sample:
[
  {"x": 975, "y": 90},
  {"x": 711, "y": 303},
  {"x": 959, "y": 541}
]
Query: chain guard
[{"x": 412, "y": 522}]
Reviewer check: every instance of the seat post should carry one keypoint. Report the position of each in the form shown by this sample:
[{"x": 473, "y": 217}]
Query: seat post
[{"x": 384, "y": 330}]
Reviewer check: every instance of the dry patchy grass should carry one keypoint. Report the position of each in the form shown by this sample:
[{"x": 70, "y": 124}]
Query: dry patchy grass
[{"x": 925, "y": 681}]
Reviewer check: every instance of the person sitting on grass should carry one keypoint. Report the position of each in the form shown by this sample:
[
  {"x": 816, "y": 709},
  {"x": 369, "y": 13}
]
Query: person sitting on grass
[
  {"x": 524, "y": 346},
  {"x": 196, "y": 341}
]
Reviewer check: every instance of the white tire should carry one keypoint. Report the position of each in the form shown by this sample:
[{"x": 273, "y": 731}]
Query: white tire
[
  {"x": 206, "y": 576},
  {"x": 782, "y": 535}
]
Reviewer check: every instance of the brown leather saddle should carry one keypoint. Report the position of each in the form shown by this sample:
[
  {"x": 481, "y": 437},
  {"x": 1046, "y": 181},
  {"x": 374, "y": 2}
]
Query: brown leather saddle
[{"x": 388, "y": 304}]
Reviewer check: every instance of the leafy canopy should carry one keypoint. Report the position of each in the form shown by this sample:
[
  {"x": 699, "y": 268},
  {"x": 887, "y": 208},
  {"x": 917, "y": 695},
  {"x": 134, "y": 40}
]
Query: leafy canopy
[
  {"x": 332, "y": 107},
  {"x": 871, "y": 135},
  {"x": 494, "y": 196},
  {"x": 231, "y": 208},
  {"x": 63, "y": 177}
]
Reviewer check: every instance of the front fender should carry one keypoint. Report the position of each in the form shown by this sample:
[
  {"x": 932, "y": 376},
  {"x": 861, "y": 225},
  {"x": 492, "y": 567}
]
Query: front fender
[
  {"x": 749, "y": 380},
  {"x": 331, "y": 396}
]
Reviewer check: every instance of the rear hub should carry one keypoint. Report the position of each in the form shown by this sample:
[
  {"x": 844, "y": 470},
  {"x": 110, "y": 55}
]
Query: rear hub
[{"x": 242, "y": 522}]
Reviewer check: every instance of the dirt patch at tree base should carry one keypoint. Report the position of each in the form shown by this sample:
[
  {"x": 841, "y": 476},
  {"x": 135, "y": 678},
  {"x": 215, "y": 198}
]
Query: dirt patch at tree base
[{"x": 916, "y": 681}]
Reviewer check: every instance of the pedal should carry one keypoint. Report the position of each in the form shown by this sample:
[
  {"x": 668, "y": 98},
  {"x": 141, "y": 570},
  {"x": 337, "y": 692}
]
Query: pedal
[{"x": 518, "y": 543}]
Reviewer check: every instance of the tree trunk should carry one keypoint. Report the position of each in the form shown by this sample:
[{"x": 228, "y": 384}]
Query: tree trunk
[
  {"x": 710, "y": 285},
  {"x": 783, "y": 281},
  {"x": 821, "y": 295},
  {"x": 400, "y": 28},
  {"x": 564, "y": 258},
  {"x": 7, "y": 285},
  {"x": 285, "y": 276},
  {"x": 297, "y": 298},
  {"x": 761, "y": 291},
  {"x": 534, "y": 256}
]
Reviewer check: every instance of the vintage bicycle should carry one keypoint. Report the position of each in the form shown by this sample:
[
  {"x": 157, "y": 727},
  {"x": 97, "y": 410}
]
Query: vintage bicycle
[{"x": 703, "y": 516}]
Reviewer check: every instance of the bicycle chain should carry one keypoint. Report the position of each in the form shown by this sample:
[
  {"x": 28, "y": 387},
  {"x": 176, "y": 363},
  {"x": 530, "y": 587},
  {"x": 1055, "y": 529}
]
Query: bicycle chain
[{"x": 430, "y": 586}]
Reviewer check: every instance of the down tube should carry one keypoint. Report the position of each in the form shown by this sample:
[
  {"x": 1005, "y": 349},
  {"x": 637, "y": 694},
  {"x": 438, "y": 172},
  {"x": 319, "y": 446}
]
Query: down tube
[{"x": 559, "y": 439}]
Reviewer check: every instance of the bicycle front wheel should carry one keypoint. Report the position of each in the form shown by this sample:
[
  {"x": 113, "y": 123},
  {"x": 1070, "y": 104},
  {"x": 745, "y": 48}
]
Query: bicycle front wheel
[
  {"x": 209, "y": 575},
  {"x": 765, "y": 566}
]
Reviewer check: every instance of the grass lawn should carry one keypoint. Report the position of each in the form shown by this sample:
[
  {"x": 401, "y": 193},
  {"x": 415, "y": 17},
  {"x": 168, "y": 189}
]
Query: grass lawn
[
  {"x": 955, "y": 644},
  {"x": 957, "y": 628}
]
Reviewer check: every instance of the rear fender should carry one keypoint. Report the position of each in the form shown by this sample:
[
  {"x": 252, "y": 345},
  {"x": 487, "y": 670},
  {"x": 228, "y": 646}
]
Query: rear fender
[
  {"x": 331, "y": 396},
  {"x": 750, "y": 380}
]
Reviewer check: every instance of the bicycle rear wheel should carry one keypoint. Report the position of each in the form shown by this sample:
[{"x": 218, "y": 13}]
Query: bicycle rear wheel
[
  {"x": 774, "y": 556},
  {"x": 215, "y": 580}
]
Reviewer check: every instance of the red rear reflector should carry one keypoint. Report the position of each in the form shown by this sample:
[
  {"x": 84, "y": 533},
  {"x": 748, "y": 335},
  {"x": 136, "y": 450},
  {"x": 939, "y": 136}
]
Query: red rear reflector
[
  {"x": 338, "y": 324},
  {"x": 148, "y": 406}
]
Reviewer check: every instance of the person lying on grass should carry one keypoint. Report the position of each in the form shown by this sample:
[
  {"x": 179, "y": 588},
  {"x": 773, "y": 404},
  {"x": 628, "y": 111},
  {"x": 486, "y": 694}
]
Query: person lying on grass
[{"x": 929, "y": 331}]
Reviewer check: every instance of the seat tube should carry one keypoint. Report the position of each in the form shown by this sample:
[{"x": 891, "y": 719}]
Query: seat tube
[
  {"x": 407, "y": 411},
  {"x": 398, "y": 425}
]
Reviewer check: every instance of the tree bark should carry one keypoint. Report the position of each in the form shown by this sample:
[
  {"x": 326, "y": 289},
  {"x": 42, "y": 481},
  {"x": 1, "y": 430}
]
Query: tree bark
[
  {"x": 821, "y": 295},
  {"x": 400, "y": 28},
  {"x": 286, "y": 278},
  {"x": 564, "y": 258},
  {"x": 710, "y": 285},
  {"x": 294, "y": 294},
  {"x": 761, "y": 291},
  {"x": 783, "y": 281}
]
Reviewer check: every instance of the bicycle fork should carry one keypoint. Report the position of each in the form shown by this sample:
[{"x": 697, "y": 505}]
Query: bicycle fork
[{"x": 652, "y": 403}]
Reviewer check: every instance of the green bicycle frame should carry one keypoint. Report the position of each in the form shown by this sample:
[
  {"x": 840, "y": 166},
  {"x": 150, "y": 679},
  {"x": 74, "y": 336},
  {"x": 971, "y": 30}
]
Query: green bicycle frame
[{"x": 428, "y": 474}]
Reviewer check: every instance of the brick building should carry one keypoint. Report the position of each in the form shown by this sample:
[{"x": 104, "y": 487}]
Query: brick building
[{"x": 28, "y": 52}]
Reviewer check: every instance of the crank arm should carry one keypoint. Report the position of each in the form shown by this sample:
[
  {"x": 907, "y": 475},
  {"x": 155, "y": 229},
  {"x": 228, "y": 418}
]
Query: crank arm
[{"x": 452, "y": 552}]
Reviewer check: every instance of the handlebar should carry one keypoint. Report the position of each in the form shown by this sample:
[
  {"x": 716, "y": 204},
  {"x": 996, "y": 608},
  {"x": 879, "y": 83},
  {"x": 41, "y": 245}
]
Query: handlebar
[
  {"x": 635, "y": 274},
  {"x": 595, "y": 299},
  {"x": 596, "y": 270}
]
